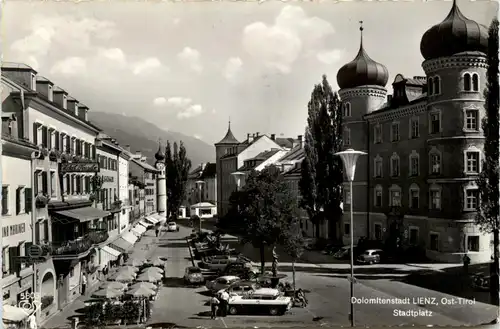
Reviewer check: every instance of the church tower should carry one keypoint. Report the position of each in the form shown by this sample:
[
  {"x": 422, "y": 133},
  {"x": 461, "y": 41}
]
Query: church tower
[
  {"x": 221, "y": 149},
  {"x": 161, "y": 186},
  {"x": 362, "y": 90}
]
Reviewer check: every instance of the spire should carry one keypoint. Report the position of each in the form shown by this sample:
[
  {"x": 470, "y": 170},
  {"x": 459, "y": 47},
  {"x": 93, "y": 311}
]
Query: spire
[
  {"x": 361, "y": 30},
  {"x": 229, "y": 138}
]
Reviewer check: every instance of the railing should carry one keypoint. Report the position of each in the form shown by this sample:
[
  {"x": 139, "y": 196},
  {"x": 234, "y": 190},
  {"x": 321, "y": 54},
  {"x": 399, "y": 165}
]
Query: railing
[{"x": 78, "y": 246}]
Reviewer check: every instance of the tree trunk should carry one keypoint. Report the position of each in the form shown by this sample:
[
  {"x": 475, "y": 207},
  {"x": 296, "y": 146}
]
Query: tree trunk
[
  {"x": 262, "y": 258},
  {"x": 293, "y": 276},
  {"x": 494, "y": 271}
]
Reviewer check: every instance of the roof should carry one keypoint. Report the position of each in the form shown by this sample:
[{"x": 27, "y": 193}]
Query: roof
[
  {"x": 229, "y": 138},
  {"x": 285, "y": 142},
  {"x": 296, "y": 153},
  {"x": 294, "y": 171},
  {"x": 210, "y": 171},
  {"x": 59, "y": 90},
  {"x": 13, "y": 65},
  {"x": 39, "y": 78},
  {"x": 202, "y": 205},
  {"x": 251, "y": 163},
  {"x": 144, "y": 165}
]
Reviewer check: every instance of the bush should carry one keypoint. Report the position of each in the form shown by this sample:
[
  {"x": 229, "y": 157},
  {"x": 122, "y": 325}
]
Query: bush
[{"x": 131, "y": 311}]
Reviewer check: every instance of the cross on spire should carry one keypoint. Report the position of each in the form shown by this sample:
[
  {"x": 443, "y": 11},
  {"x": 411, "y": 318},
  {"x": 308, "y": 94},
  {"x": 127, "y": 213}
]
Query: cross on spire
[{"x": 361, "y": 30}]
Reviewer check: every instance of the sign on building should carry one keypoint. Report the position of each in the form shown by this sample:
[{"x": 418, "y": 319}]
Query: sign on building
[{"x": 79, "y": 167}]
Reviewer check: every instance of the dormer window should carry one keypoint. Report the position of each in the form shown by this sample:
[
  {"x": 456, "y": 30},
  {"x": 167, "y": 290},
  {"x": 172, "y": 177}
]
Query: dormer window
[
  {"x": 50, "y": 94},
  {"x": 65, "y": 102},
  {"x": 86, "y": 115},
  {"x": 76, "y": 109}
]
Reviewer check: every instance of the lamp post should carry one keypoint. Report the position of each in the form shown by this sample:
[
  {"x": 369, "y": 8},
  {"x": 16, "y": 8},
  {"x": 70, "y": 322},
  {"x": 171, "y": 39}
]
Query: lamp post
[
  {"x": 199, "y": 183},
  {"x": 349, "y": 158}
]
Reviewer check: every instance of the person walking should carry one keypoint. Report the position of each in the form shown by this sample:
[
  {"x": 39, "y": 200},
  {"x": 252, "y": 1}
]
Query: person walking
[
  {"x": 157, "y": 231},
  {"x": 214, "y": 303},
  {"x": 224, "y": 296},
  {"x": 84, "y": 283}
]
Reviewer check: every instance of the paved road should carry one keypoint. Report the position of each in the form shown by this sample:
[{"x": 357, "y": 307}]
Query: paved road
[{"x": 328, "y": 296}]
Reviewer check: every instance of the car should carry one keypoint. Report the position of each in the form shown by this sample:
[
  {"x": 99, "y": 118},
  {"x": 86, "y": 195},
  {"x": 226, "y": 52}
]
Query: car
[
  {"x": 240, "y": 288},
  {"x": 193, "y": 275},
  {"x": 221, "y": 283},
  {"x": 172, "y": 227},
  {"x": 370, "y": 256},
  {"x": 345, "y": 252},
  {"x": 242, "y": 269},
  {"x": 264, "y": 301},
  {"x": 217, "y": 264}
]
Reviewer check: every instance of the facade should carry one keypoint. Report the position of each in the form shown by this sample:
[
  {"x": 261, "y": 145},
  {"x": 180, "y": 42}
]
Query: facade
[
  {"x": 206, "y": 173},
  {"x": 147, "y": 175},
  {"x": 123, "y": 190},
  {"x": 424, "y": 144}
]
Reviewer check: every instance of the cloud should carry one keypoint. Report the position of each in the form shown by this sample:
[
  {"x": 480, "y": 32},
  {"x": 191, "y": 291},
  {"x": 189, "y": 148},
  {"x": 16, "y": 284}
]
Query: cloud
[
  {"x": 179, "y": 101},
  {"x": 191, "y": 58},
  {"x": 232, "y": 68},
  {"x": 147, "y": 65},
  {"x": 114, "y": 55},
  {"x": 70, "y": 66},
  {"x": 329, "y": 56},
  {"x": 190, "y": 112},
  {"x": 159, "y": 101},
  {"x": 279, "y": 45},
  {"x": 176, "y": 21}
]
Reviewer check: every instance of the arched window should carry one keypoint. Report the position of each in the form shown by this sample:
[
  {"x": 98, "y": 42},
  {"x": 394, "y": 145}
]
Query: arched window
[
  {"x": 475, "y": 82},
  {"x": 394, "y": 165},
  {"x": 467, "y": 82},
  {"x": 430, "y": 86},
  {"x": 434, "y": 161},
  {"x": 347, "y": 109},
  {"x": 414, "y": 196},
  {"x": 377, "y": 196},
  {"x": 435, "y": 197},
  {"x": 395, "y": 196},
  {"x": 437, "y": 85},
  {"x": 414, "y": 161}
]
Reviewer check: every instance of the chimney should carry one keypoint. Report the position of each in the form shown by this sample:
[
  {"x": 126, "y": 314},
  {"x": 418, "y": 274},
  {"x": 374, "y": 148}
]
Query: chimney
[
  {"x": 144, "y": 158},
  {"x": 257, "y": 134},
  {"x": 127, "y": 148},
  {"x": 20, "y": 73},
  {"x": 250, "y": 137},
  {"x": 138, "y": 155},
  {"x": 273, "y": 137},
  {"x": 83, "y": 112},
  {"x": 301, "y": 141},
  {"x": 45, "y": 87},
  {"x": 72, "y": 105},
  {"x": 60, "y": 97}
]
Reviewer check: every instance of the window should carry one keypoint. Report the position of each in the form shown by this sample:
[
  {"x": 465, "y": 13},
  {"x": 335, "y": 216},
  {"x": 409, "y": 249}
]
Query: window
[
  {"x": 435, "y": 162},
  {"x": 471, "y": 82},
  {"x": 475, "y": 82},
  {"x": 5, "y": 261},
  {"x": 434, "y": 241},
  {"x": 377, "y": 131},
  {"x": 435, "y": 123},
  {"x": 414, "y": 164},
  {"x": 395, "y": 132},
  {"x": 430, "y": 87},
  {"x": 50, "y": 93},
  {"x": 347, "y": 109},
  {"x": 472, "y": 162},
  {"x": 413, "y": 236},
  {"x": 378, "y": 167},
  {"x": 5, "y": 200},
  {"x": 33, "y": 82},
  {"x": 472, "y": 120},
  {"x": 467, "y": 82},
  {"x": 473, "y": 243},
  {"x": 347, "y": 196},
  {"x": 395, "y": 165},
  {"x": 414, "y": 197},
  {"x": 378, "y": 231},
  {"x": 45, "y": 183},
  {"x": 435, "y": 196},
  {"x": 378, "y": 196},
  {"x": 65, "y": 102},
  {"x": 52, "y": 183},
  {"x": 414, "y": 128},
  {"x": 347, "y": 228},
  {"x": 395, "y": 196},
  {"x": 20, "y": 200},
  {"x": 437, "y": 86},
  {"x": 44, "y": 136},
  {"x": 471, "y": 199},
  {"x": 347, "y": 136}
]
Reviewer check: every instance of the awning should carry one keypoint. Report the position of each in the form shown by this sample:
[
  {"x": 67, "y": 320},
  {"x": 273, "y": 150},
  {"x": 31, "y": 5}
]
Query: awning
[
  {"x": 152, "y": 219},
  {"x": 14, "y": 314},
  {"x": 145, "y": 224},
  {"x": 138, "y": 230},
  {"x": 121, "y": 245},
  {"x": 81, "y": 214},
  {"x": 111, "y": 251},
  {"x": 129, "y": 237}
]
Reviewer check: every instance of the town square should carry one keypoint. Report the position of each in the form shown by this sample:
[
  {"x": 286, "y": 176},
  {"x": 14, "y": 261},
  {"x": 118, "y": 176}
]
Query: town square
[{"x": 226, "y": 165}]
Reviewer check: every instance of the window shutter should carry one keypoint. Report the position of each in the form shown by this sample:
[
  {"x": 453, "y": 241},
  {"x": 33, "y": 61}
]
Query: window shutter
[
  {"x": 57, "y": 146},
  {"x": 27, "y": 246},
  {"x": 18, "y": 201},
  {"x": 44, "y": 182},
  {"x": 12, "y": 259},
  {"x": 27, "y": 199},
  {"x": 44, "y": 136},
  {"x": 35, "y": 133}
]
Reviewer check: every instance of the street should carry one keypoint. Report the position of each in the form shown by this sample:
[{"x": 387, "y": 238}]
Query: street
[{"x": 328, "y": 294}]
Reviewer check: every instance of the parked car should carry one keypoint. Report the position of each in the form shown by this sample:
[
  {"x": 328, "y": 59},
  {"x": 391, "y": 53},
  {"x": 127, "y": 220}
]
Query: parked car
[
  {"x": 217, "y": 263},
  {"x": 345, "y": 252},
  {"x": 370, "y": 256},
  {"x": 172, "y": 227},
  {"x": 241, "y": 287},
  {"x": 193, "y": 275},
  {"x": 264, "y": 301},
  {"x": 221, "y": 283},
  {"x": 242, "y": 269}
]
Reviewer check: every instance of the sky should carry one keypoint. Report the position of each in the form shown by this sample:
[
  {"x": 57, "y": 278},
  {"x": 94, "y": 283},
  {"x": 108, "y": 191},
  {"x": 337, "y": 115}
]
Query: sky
[{"x": 191, "y": 66}]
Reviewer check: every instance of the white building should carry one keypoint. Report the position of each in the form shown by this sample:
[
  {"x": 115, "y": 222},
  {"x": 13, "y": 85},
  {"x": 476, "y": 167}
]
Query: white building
[{"x": 123, "y": 190}]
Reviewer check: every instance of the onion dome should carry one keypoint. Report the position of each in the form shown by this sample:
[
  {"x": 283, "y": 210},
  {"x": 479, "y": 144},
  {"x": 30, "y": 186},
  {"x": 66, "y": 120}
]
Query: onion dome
[
  {"x": 229, "y": 138},
  {"x": 362, "y": 71},
  {"x": 160, "y": 155},
  {"x": 456, "y": 34}
]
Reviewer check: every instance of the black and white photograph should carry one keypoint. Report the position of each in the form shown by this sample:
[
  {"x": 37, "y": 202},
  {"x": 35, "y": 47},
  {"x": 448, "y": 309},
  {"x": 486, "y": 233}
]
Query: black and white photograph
[{"x": 249, "y": 164}]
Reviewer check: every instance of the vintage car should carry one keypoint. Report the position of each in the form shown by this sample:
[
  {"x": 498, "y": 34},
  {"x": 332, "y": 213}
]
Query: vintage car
[
  {"x": 242, "y": 269},
  {"x": 193, "y": 275},
  {"x": 262, "y": 301},
  {"x": 241, "y": 287},
  {"x": 217, "y": 263},
  {"x": 172, "y": 227},
  {"x": 221, "y": 283},
  {"x": 370, "y": 256}
]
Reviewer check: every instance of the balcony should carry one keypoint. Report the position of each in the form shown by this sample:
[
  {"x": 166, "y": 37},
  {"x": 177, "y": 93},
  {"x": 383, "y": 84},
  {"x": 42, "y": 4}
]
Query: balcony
[
  {"x": 77, "y": 248},
  {"x": 114, "y": 206}
]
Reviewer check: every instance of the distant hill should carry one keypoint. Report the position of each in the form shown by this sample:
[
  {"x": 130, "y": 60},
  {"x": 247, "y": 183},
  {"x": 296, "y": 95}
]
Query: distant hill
[{"x": 143, "y": 136}]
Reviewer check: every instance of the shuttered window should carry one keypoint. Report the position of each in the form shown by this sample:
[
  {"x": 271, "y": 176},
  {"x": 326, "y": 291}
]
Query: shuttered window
[
  {"x": 57, "y": 139},
  {"x": 44, "y": 136},
  {"x": 27, "y": 199},
  {"x": 35, "y": 133},
  {"x": 45, "y": 185},
  {"x": 18, "y": 201},
  {"x": 15, "y": 265}
]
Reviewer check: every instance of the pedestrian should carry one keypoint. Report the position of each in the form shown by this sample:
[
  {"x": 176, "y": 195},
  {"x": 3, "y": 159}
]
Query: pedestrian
[
  {"x": 84, "y": 283},
  {"x": 214, "y": 303},
  {"x": 157, "y": 231},
  {"x": 466, "y": 263},
  {"x": 224, "y": 296}
]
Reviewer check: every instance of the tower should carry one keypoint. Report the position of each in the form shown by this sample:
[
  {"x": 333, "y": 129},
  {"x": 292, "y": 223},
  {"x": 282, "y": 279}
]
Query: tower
[
  {"x": 161, "y": 185},
  {"x": 456, "y": 66},
  {"x": 221, "y": 149},
  {"x": 362, "y": 90}
]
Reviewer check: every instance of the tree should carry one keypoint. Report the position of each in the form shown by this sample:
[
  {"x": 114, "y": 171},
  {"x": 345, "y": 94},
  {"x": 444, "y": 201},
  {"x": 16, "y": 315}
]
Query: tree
[
  {"x": 294, "y": 244},
  {"x": 266, "y": 208},
  {"x": 322, "y": 178},
  {"x": 177, "y": 169},
  {"x": 488, "y": 207}
]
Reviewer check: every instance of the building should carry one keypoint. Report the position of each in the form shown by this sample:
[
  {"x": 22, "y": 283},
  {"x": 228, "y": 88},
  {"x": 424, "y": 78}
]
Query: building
[
  {"x": 424, "y": 144},
  {"x": 147, "y": 175},
  {"x": 62, "y": 174},
  {"x": 123, "y": 189},
  {"x": 231, "y": 155},
  {"x": 257, "y": 163},
  {"x": 201, "y": 186}
]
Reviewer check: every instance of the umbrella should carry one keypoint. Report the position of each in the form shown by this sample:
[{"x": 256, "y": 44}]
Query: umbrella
[
  {"x": 153, "y": 270},
  {"x": 135, "y": 262},
  {"x": 141, "y": 292},
  {"x": 107, "y": 293},
  {"x": 158, "y": 262},
  {"x": 122, "y": 277},
  {"x": 114, "y": 285},
  {"x": 131, "y": 269},
  {"x": 127, "y": 272},
  {"x": 150, "y": 277},
  {"x": 147, "y": 285}
]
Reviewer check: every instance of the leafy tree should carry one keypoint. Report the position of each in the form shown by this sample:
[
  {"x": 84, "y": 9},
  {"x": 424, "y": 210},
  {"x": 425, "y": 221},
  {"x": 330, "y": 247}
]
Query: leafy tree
[
  {"x": 322, "y": 178},
  {"x": 266, "y": 208},
  {"x": 488, "y": 208},
  {"x": 177, "y": 169},
  {"x": 294, "y": 243}
]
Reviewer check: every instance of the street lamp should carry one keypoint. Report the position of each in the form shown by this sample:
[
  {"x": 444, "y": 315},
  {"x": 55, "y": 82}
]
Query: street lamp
[
  {"x": 199, "y": 183},
  {"x": 349, "y": 158},
  {"x": 238, "y": 175}
]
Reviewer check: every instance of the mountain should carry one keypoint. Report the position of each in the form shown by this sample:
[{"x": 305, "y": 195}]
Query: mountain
[{"x": 143, "y": 136}]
